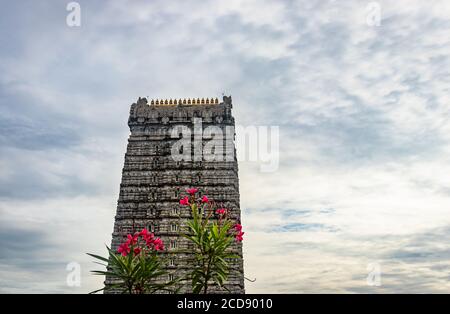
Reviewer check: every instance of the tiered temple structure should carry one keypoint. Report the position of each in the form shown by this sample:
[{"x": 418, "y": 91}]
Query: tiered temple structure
[{"x": 153, "y": 181}]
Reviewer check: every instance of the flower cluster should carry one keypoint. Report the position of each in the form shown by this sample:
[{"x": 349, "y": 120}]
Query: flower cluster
[
  {"x": 139, "y": 242},
  {"x": 238, "y": 233},
  {"x": 192, "y": 191},
  {"x": 184, "y": 201},
  {"x": 221, "y": 211}
]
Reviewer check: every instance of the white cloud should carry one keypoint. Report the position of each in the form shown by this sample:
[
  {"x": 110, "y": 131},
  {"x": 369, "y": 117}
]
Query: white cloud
[{"x": 363, "y": 113}]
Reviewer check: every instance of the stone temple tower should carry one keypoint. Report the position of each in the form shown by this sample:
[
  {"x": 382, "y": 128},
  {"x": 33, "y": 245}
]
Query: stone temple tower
[{"x": 153, "y": 181}]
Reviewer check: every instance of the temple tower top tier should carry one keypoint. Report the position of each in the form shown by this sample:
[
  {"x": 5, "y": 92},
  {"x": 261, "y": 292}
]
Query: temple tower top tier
[{"x": 169, "y": 111}]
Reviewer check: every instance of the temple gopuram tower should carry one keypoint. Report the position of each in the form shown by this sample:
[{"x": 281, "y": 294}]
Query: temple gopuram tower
[{"x": 153, "y": 180}]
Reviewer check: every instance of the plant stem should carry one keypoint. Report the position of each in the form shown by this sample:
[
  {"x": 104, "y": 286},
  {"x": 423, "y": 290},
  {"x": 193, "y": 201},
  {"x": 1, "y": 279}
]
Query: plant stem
[{"x": 208, "y": 268}]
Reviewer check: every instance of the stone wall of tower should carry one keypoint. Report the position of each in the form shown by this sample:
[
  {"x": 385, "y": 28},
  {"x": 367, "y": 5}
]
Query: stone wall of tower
[{"x": 153, "y": 182}]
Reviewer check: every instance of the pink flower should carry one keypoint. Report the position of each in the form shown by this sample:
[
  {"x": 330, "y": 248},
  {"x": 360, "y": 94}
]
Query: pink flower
[
  {"x": 238, "y": 227},
  {"x": 123, "y": 249},
  {"x": 158, "y": 244},
  {"x": 149, "y": 238},
  {"x": 143, "y": 233},
  {"x": 192, "y": 191},
  {"x": 184, "y": 201},
  {"x": 205, "y": 199},
  {"x": 132, "y": 240},
  {"x": 137, "y": 250},
  {"x": 239, "y": 237},
  {"x": 221, "y": 211}
]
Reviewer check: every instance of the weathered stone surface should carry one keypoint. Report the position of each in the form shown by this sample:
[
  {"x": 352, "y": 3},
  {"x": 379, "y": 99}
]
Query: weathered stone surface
[{"x": 152, "y": 182}]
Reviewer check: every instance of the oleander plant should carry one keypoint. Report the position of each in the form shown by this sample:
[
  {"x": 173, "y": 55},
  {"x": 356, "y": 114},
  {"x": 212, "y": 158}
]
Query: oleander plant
[
  {"x": 135, "y": 267},
  {"x": 212, "y": 232}
]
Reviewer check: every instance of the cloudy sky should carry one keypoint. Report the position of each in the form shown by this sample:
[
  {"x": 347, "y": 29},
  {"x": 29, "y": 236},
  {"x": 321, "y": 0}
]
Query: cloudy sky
[{"x": 363, "y": 110}]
